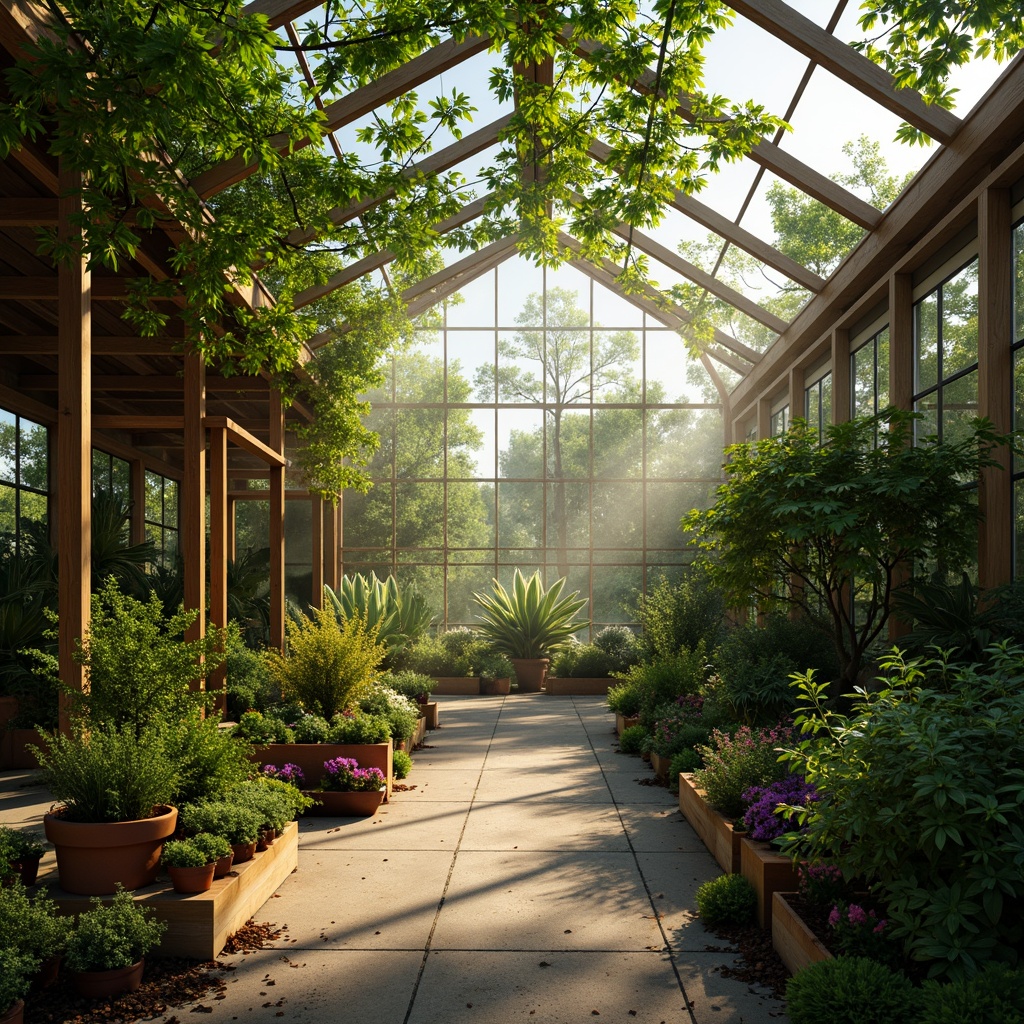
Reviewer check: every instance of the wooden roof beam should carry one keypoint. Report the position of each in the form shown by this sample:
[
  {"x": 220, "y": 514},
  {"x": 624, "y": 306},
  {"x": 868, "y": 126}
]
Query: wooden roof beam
[
  {"x": 430, "y": 64},
  {"x": 243, "y": 439},
  {"x": 46, "y": 345},
  {"x": 159, "y": 383},
  {"x": 280, "y": 12},
  {"x": 832, "y": 54},
  {"x": 740, "y": 237}
]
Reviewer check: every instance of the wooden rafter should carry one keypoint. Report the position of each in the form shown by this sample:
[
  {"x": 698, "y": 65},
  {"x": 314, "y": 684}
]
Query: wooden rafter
[
  {"x": 433, "y": 62},
  {"x": 740, "y": 237},
  {"x": 279, "y": 12},
  {"x": 783, "y": 22},
  {"x": 151, "y": 383},
  {"x": 46, "y": 345}
]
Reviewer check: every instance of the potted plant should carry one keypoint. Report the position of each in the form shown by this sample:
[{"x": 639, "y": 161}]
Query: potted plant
[
  {"x": 346, "y": 790},
  {"x": 22, "y": 851},
  {"x": 274, "y": 801},
  {"x": 106, "y": 953},
  {"x": 16, "y": 971},
  {"x": 496, "y": 672},
  {"x": 239, "y": 825},
  {"x": 529, "y": 623},
  {"x": 36, "y": 929},
  {"x": 190, "y": 863}
]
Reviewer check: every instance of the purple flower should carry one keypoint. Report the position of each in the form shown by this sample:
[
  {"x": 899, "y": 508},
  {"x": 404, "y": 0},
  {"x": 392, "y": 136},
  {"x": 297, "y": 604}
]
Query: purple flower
[
  {"x": 762, "y": 802},
  {"x": 291, "y": 773},
  {"x": 833, "y": 917},
  {"x": 856, "y": 915}
]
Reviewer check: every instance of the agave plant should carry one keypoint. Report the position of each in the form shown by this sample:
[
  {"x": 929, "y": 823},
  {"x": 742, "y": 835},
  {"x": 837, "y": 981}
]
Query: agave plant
[
  {"x": 398, "y": 617},
  {"x": 529, "y": 621}
]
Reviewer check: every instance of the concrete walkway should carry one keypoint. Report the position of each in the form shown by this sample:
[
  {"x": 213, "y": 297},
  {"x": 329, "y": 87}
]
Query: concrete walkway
[{"x": 527, "y": 877}]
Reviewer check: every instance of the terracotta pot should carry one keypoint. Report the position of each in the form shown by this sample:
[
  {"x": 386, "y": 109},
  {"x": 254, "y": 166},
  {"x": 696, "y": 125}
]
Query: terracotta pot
[
  {"x": 27, "y": 868},
  {"x": 531, "y": 673},
  {"x": 107, "y": 984},
  {"x": 241, "y": 852},
  {"x": 223, "y": 866},
  {"x": 494, "y": 687},
  {"x": 92, "y": 857},
  {"x": 47, "y": 973},
  {"x": 15, "y": 1015},
  {"x": 344, "y": 805},
  {"x": 192, "y": 880}
]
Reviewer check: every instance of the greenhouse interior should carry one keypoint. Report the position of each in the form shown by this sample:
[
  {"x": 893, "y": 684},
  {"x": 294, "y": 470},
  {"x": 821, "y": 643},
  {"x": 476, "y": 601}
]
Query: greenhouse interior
[{"x": 526, "y": 500}]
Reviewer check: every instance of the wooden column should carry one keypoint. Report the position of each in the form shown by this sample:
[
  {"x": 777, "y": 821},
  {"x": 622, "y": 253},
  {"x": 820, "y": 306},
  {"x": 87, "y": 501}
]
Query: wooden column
[
  {"x": 995, "y": 383},
  {"x": 332, "y": 544},
  {"x": 901, "y": 383},
  {"x": 74, "y": 444},
  {"x": 232, "y": 545},
  {"x": 316, "y": 522},
  {"x": 276, "y": 524},
  {"x": 138, "y": 520},
  {"x": 841, "y": 384},
  {"x": 764, "y": 418},
  {"x": 797, "y": 402},
  {"x": 193, "y": 494},
  {"x": 218, "y": 551}
]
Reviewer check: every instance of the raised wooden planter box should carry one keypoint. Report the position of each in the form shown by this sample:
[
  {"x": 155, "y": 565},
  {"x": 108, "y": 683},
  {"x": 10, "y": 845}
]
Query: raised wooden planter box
[
  {"x": 432, "y": 716},
  {"x": 199, "y": 925},
  {"x": 310, "y": 757},
  {"x": 795, "y": 943},
  {"x": 14, "y": 748},
  {"x": 769, "y": 872},
  {"x": 456, "y": 685},
  {"x": 417, "y": 737},
  {"x": 661, "y": 766},
  {"x": 623, "y": 722},
  {"x": 715, "y": 831},
  {"x": 581, "y": 687}
]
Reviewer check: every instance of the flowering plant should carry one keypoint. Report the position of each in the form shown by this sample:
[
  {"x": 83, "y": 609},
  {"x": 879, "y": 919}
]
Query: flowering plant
[
  {"x": 821, "y": 885},
  {"x": 678, "y": 726},
  {"x": 860, "y": 932},
  {"x": 290, "y": 773},
  {"x": 343, "y": 775},
  {"x": 762, "y": 817},
  {"x": 734, "y": 764}
]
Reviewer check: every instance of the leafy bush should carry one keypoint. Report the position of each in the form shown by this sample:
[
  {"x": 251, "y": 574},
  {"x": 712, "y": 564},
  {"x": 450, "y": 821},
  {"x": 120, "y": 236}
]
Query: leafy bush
[
  {"x": 261, "y": 729},
  {"x": 16, "y": 970},
  {"x": 33, "y": 926},
  {"x": 624, "y": 698},
  {"x": 430, "y": 656},
  {"x": 360, "y": 728},
  {"x": 920, "y": 790},
  {"x": 728, "y": 899},
  {"x": 495, "y": 665},
  {"x": 18, "y": 844},
  {"x": 328, "y": 665},
  {"x": 680, "y": 616},
  {"x": 631, "y": 740},
  {"x": 583, "y": 661},
  {"x": 683, "y": 763},
  {"x": 679, "y": 726},
  {"x": 184, "y": 853},
  {"x": 859, "y": 931},
  {"x": 410, "y": 684},
  {"x": 661, "y": 682},
  {"x": 250, "y": 687},
  {"x": 755, "y": 662},
  {"x": 114, "y": 936},
  {"x": 212, "y": 847},
  {"x": 822, "y": 885},
  {"x": 621, "y": 644},
  {"x": 312, "y": 729},
  {"x": 850, "y": 990},
  {"x": 276, "y": 803},
  {"x": 401, "y": 764},
  {"x": 208, "y": 761},
  {"x": 111, "y": 774},
  {"x": 402, "y": 714},
  {"x": 760, "y": 818},
  {"x": 737, "y": 763},
  {"x": 235, "y": 822},
  {"x": 995, "y": 995}
]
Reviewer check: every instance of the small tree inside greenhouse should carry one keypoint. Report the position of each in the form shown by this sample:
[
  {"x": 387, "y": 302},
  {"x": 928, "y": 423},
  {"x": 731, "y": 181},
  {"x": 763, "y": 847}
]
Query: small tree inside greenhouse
[{"x": 835, "y": 528}]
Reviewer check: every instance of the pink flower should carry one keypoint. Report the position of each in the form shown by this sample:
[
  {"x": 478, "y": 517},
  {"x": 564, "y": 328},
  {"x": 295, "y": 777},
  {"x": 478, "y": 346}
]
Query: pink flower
[
  {"x": 856, "y": 914},
  {"x": 833, "y": 917},
  {"x": 880, "y": 927}
]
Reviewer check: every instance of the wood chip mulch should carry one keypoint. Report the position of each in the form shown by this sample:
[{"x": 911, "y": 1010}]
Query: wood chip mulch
[
  {"x": 756, "y": 961},
  {"x": 169, "y": 982}
]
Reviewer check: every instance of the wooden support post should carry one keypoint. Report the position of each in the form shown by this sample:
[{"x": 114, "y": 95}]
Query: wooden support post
[
  {"x": 193, "y": 494},
  {"x": 901, "y": 384},
  {"x": 276, "y": 496},
  {"x": 764, "y": 418},
  {"x": 218, "y": 552},
  {"x": 842, "y": 400},
  {"x": 74, "y": 445},
  {"x": 797, "y": 401},
  {"x": 232, "y": 524},
  {"x": 138, "y": 485},
  {"x": 995, "y": 383},
  {"x": 332, "y": 543},
  {"x": 316, "y": 519}
]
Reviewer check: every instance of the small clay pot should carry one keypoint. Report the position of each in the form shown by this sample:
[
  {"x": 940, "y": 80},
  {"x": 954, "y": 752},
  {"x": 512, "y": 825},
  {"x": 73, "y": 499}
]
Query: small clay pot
[
  {"x": 27, "y": 868},
  {"x": 47, "y": 973},
  {"x": 15, "y": 1015},
  {"x": 243, "y": 852},
  {"x": 107, "y": 984},
  {"x": 191, "y": 880},
  {"x": 223, "y": 866}
]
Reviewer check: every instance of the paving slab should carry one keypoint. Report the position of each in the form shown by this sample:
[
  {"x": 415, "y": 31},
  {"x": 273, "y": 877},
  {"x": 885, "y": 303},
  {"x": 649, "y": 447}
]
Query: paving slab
[
  {"x": 544, "y": 826},
  {"x": 402, "y": 824},
  {"x": 576, "y": 785},
  {"x": 660, "y": 830}
]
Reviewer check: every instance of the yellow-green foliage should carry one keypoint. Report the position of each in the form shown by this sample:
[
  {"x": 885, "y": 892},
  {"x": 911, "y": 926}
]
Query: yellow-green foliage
[{"x": 329, "y": 665}]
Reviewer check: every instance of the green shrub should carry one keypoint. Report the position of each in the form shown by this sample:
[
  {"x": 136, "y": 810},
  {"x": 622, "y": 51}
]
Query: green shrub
[
  {"x": 733, "y": 764},
  {"x": 16, "y": 970},
  {"x": 212, "y": 847},
  {"x": 312, "y": 729},
  {"x": 583, "y": 661},
  {"x": 401, "y": 764},
  {"x": 33, "y": 926},
  {"x": 360, "y": 728},
  {"x": 621, "y": 644},
  {"x": 429, "y": 656},
  {"x": 114, "y": 936},
  {"x": 109, "y": 775},
  {"x": 328, "y": 665},
  {"x": 410, "y": 684},
  {"x": 661, "y": 682},
  {"x": 685, "y": 762},
  {"x": 184, "y": 853},
  {"x": 995, "y": 995},
  {"x": 624, "y": 698},
  {"x": 755, "y": 662},
  {"x": 680, "y": 616},
  {"x": 233, "y": 821},
  {"x": 726, "y": 900},
  {"x": 462, "y": 651},
  {"x": 631, "y": 740},
  {"x": 18, "y": 844},
  {"x": 401, "y": 713},
  {"x": 921, "y": 791},
  {"x": 208, "y": 760},
  {"x": 850, "y": 990},
  {"x": 275, "y": 802},
  {"x": 250, "y": 687}
]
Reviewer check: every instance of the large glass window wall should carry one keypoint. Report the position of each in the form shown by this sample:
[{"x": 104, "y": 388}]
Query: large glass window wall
[
  {"x": 24, "y": 480},
  {"x": 541, "y": 423}
]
